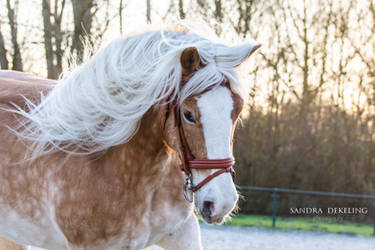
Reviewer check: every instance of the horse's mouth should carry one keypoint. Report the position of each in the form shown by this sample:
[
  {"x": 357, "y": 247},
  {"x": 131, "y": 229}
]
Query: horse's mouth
[
  {"x": 213, "y": 219},
  {"x": 207, "y": 214}
]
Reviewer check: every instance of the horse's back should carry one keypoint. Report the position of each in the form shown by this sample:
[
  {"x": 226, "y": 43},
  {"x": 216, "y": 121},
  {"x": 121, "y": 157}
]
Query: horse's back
[
  {"x": 25, "y": 77},
  {"x": 14, "y": 86}
]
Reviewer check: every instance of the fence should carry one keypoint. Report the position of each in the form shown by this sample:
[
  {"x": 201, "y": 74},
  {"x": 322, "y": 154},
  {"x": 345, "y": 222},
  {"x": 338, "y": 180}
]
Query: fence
[{"x": 276, "y": 191}]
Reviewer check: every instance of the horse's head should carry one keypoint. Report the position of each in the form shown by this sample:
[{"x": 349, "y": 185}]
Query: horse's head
[{"x": 204, "y": 130}]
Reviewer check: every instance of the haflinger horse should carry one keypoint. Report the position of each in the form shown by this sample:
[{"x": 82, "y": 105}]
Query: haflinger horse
[{"x": 94, "y": 160}]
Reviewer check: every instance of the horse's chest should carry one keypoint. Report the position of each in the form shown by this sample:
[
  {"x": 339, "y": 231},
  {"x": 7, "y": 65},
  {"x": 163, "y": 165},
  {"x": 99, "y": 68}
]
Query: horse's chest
[
  {"x": 130, "y": 217},
  {"x": 93, "y": 207}
]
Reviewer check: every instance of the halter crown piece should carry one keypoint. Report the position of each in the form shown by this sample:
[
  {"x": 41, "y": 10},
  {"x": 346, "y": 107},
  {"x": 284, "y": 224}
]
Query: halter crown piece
[{"x": 188, "y": 161}]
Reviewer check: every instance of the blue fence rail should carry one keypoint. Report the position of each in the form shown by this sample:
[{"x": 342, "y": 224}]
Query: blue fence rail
[{"x": 276, "y": 194}]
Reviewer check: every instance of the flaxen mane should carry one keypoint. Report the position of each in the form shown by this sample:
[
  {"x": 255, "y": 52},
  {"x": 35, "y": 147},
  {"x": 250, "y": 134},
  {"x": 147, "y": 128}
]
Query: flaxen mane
[{"x": 100, "y": 103}]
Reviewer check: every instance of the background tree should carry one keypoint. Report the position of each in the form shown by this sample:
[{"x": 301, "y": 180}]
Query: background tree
[
  {"x": 83, "y": 16},
  {"x": 148, "y": 11},
  {"x": 3, "y": 52},
  {"x": 12, "y": 18},
  {"x": 52, "y": 21}
]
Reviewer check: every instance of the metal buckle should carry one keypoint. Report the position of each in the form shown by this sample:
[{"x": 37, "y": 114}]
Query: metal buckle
[{"x": 188, "y": 189}]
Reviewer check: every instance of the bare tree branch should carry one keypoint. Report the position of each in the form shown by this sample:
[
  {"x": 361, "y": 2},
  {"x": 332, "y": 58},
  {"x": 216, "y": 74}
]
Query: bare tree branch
[{"x": 148, "y": 11}]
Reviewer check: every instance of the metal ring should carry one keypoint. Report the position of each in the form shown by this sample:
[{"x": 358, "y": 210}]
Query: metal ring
[{"x": 188, "y": 189}]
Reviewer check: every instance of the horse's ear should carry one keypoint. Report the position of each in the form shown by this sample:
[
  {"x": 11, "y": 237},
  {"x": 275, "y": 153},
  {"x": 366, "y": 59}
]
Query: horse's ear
[
  {"x": 251, "y": 51},
  {"x": 189, "y": 60},
  {"x": 255, "y": 48}
]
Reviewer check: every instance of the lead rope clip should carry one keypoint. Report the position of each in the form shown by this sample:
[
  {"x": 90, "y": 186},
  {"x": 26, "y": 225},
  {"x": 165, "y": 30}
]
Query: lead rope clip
[{"x": 188, "y": 189}]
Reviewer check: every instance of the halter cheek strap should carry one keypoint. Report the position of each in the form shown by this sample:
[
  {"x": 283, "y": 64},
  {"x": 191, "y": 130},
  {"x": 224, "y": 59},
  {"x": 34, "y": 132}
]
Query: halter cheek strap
[{"x": 188, "y": 161}]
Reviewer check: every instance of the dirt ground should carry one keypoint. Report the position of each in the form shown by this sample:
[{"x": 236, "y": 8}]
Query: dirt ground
[{"x": 237, "y": 238}]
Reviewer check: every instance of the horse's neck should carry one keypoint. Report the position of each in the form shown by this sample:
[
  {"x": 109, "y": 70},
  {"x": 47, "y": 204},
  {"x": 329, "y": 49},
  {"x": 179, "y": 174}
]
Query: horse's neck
[
  {"x": 145, "y": 153},
  {"x": 149, "y": 137}
]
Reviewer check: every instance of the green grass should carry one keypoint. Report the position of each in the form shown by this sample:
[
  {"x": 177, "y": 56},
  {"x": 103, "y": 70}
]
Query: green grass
[{"x": 313, "y": 224}]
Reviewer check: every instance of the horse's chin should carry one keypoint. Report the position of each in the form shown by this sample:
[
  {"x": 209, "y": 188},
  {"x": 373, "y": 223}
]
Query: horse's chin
[
  {"x": 207, "y": 212},
  {"x": 208, "y": 219},
  {"x": 213, "y": 220}
]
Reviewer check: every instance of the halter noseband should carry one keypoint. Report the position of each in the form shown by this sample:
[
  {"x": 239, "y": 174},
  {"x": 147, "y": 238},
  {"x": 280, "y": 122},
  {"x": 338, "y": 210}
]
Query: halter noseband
[{"x": 188, "y": 160}]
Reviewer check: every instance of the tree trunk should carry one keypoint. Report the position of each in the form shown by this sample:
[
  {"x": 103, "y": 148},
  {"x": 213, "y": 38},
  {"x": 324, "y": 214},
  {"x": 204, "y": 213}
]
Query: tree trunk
[
  {"x": 218, "y": 11},
  {"x": 148, "y": 11},
  {"x": 58, "y": 34},
  {"x": 53, "y": 37},
  {"x": 3, "y": 53},
  {"x": 46, "y": 11},
  {"x": 16, "y": 60},
  {"x": 82, "y": 25},
  {"x": 181, "y": 9},
  {"x": 120, "y": 15}
]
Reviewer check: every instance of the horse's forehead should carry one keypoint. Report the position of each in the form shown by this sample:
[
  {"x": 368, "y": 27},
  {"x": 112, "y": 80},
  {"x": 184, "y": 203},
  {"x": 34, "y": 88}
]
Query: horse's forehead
[
  {"x": 219, "y": 98},
  {"x": 220, "y": 101}
]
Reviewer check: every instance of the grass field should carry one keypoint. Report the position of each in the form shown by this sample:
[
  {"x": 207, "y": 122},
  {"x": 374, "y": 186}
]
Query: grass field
[{"x": 314, "y": 224}]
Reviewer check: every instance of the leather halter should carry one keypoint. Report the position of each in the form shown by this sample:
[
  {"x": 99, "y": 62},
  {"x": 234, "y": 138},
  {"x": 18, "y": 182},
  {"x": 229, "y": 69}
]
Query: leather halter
[{"x": 188, "y": 161}]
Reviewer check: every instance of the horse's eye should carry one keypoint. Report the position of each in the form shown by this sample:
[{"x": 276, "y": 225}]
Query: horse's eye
[{"x": 189, "y": 116}]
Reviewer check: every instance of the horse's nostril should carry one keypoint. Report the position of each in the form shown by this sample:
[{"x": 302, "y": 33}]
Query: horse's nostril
[{"x": 208, "y": 208}]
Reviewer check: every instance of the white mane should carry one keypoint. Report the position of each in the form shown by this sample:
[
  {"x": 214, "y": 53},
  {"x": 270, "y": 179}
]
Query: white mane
[{"x": 100, "y": 104}]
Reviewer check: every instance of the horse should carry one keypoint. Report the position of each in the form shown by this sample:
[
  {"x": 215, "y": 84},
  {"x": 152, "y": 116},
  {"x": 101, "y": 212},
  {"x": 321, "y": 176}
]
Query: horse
[{"x": 120, "y": 152}]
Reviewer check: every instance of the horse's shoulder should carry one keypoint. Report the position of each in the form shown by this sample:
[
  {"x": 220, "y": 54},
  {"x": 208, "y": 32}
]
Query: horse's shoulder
[{"x": 14, "y": 86}]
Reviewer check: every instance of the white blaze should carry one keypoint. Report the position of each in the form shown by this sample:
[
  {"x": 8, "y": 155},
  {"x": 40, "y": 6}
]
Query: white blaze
[{"x": 216, "y": 107}]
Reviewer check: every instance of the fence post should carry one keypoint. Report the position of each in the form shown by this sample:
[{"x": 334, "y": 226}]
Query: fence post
[
  {"x": 275, "y": 197},
  {"x": 373, "y": 232}
]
